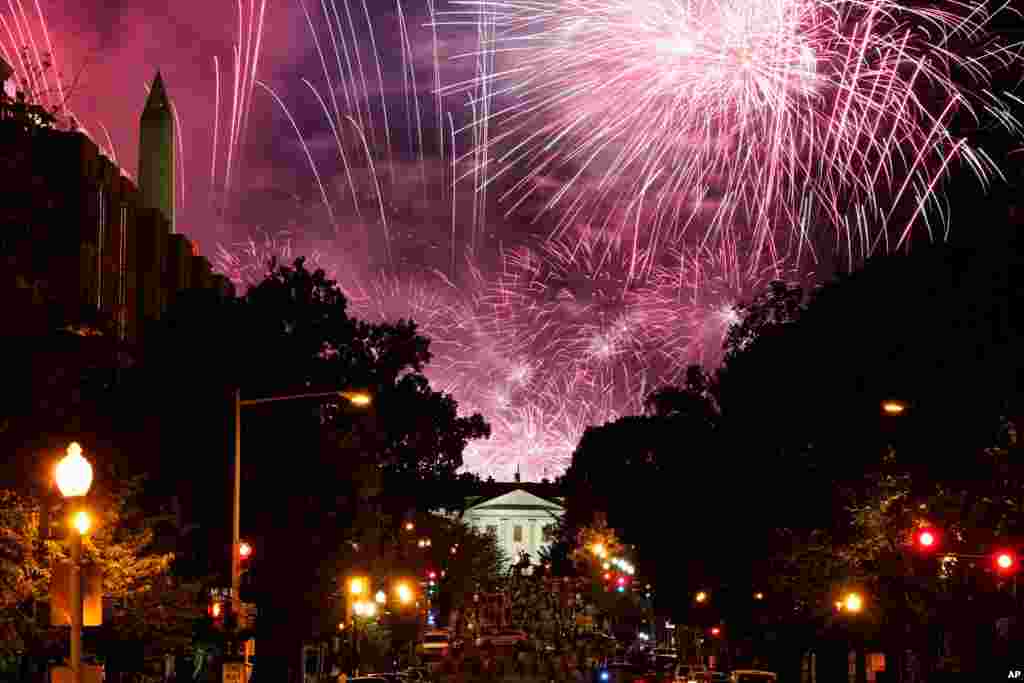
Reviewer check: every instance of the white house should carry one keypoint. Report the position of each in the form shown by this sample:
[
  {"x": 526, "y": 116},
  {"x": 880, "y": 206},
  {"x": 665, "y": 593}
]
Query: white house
[{"x": 518, "y": 518}]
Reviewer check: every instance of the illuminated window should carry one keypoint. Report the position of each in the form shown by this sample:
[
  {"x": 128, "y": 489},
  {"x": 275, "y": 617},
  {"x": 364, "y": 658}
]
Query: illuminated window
[{"x": 517, "y": 534}]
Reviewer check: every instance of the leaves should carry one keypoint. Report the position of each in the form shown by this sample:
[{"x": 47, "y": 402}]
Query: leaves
[{"x": 134, "y": 576}]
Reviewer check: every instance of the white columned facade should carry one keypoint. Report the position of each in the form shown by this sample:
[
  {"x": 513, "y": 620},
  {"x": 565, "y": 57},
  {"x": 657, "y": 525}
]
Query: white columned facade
[{"x": 521, "y": 510}]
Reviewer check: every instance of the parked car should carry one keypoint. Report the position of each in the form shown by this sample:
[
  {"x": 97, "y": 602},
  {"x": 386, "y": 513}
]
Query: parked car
[
  {"x": 752, "y": 676},
  {"x": 417, "y": 674},
  {"x": 502, "y": 638},
  {"x": 692, "y": 673},
  {"x": 624, "y": 672},
  {"x": 435, "y": 644}
]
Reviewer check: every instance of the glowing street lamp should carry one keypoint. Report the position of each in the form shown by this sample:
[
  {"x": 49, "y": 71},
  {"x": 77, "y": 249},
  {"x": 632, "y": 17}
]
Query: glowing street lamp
[
  {"x": 404, "y": 593},
  {"x": 701, "y": 597},
  {"x": 357, "y": 585},
  {"x": 893, "y": 407},
  {"x": 853, "y": 603},
  {"x": 381, "y": 597},
  {"x": 759, "y": 596},
  {"x": 82, "y": 522},
  {"x": 74, "y": 477},
  {"x": 366, "y": 609},
  {"x": 358, "y": 398},
  {"x": 74, "y": 473}
]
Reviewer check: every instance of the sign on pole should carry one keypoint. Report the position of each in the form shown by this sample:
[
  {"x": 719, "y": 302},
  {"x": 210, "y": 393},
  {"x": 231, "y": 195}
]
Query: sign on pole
[
  {"x": 92, "y": 595},
  {"x": 234, "y": 672}
]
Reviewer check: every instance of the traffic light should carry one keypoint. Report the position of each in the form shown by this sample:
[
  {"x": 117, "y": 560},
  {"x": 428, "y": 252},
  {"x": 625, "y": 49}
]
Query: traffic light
[
  {"x": 716, "y": 631},
  {"x": 244, "y": 551},
  {"x": 216, "y": 612},
  {"x": 1005, "y": 561},
  {"x": 926, "y": 539}
]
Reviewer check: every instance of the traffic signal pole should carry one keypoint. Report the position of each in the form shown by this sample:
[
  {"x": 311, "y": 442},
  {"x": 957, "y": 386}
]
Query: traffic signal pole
[{"x": 236, "y": 519}]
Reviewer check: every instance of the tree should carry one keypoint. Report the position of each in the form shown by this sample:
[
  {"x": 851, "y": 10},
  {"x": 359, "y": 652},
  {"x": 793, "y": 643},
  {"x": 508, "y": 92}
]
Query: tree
[
  {"x": 120, "y": 544},
  {"x": 320, "y": 460}
]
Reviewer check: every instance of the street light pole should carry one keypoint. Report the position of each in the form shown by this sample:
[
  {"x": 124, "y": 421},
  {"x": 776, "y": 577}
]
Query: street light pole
[
  {"x": 236, "y": 505},
  {"x": 77, "y": 610},
  {"x": 355, "y": 398},
  {"x": 74, "y": 477}
]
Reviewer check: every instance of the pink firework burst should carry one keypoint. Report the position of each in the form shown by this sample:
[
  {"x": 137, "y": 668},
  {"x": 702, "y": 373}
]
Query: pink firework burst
[
  {"x": 247, "y": 263},
  {"x": 536, "y": 438},
  {"x": 750, "y": 113},
  {"x": 694, "y": 301},
  {"x": 574, "y": 306}
]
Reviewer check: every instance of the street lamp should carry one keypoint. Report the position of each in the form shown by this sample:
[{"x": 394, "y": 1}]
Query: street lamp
[
  {"x": 73, "y": 473},
  {"x": 893, "y": 407},
  {"x": 701, "y": 597},
  {"x": 759, "y": 596},
  {"x": 381, "y": 597},
  {"x": 74, "y": 477},
  {"x": 404, "y": 593},
  {"x": 356, "y": 398},
  {"x": 853, "y": 603},
  {"x": 356, "y": 586}
]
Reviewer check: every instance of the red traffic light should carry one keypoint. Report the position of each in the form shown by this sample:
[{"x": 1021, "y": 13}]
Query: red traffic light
[
  {"x": 715, "y": 631},
  {"x": 431, "y": 575},
  {"x": 244, "y": 550},
  {"x": 1005, "y": 561},
  {"x": 216, "y": 610},
  {"x": 622, "y": 581},
  {"x": 927, "y": 539}
]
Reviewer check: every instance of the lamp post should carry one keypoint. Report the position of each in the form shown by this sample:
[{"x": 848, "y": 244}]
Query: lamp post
[
  {"x": 74, "y": 477},
  {"x": 356, "y": 398}
]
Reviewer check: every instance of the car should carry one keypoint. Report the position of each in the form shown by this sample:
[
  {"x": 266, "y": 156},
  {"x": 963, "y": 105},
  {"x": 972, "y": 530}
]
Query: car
[
  {"x": 435, "y": 644},
  {"x": 665, "y": 662},
  {"x": 416, "y": 674},
  {"x": 691, "y": 673},
  {"x": 752, "y": 676},
  {"x": 389, "y": 677},
  {"x": 502, "y": 638},
  {"x": 623, "y": 672}
]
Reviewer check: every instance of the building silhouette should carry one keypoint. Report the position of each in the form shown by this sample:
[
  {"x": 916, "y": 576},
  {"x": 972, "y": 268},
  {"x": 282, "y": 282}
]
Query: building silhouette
[{"x": 81, "y": 239}]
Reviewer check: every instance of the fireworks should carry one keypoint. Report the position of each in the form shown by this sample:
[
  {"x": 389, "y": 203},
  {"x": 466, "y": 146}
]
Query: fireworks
[
  {"x": 773, "y": 112},
  {"x": 673, "y": 157}
]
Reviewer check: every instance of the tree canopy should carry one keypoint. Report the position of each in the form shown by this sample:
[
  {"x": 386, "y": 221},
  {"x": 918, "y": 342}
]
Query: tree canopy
[{"x": 782, "y": 464}]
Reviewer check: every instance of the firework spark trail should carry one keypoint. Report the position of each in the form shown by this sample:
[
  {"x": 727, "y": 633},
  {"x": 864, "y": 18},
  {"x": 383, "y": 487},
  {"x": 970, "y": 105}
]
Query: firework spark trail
[
  {"x": 768, "y": 101},
  {"x": 569, "y": 305},
  {"x": 110, "y": 143},
  {"x": 693, "y": 302},
  {"x": 305, "y": 148}
]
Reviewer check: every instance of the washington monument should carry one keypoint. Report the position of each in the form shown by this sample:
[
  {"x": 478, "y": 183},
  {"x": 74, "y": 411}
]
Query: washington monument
[{"x": 156, "y": 152}]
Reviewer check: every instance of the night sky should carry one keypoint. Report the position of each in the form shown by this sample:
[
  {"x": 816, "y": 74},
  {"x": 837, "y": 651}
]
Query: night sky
[{"x": 584, "y": 340}]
